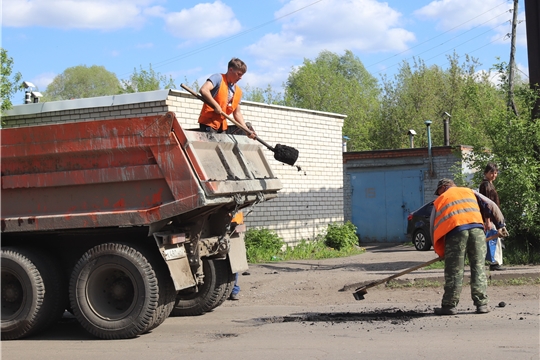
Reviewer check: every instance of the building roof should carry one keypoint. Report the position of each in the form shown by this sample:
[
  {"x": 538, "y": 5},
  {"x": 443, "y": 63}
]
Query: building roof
[{"x": 101, "y": 101}]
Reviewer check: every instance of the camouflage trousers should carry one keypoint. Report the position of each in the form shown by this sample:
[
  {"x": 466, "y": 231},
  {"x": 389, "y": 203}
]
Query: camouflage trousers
[{"x": 473, "y": 243}]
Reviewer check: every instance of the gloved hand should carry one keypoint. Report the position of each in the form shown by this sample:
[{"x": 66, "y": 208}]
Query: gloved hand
[{"x": 503, "y": 232}]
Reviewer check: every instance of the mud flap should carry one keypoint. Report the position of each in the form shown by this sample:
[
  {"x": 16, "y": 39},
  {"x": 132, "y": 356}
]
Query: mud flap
[
  {"x": 237, "y": 253},
  {"x": 181, "y": 273},
  {"x": 176, "y": 259}
]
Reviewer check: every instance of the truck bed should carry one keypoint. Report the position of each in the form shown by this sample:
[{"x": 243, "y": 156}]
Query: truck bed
[{"x": 123, "y": 172}]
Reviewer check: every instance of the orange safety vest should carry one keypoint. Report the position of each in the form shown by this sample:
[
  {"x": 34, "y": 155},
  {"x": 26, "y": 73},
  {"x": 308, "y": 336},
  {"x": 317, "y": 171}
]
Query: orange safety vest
[
  {"x": 208, "y": 115},
  {"x": 455, "y": 207}
]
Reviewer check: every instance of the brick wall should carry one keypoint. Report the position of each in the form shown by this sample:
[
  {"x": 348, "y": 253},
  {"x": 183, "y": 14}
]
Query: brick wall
[{"x": 312, "y": 194}]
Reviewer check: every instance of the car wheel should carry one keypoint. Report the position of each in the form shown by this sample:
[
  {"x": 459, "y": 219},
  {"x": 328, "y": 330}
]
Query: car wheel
[{"x": 421, "y": 243}]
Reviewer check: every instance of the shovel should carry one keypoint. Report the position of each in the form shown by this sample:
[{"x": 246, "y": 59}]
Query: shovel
[
  {"x": 282, "y": 153},
  {"x": 361, "y": 291}
]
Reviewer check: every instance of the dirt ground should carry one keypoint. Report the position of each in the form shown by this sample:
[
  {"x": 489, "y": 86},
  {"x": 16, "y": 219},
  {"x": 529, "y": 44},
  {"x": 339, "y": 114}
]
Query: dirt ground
[
  {"x": 306, "y": 310},
  {"x": 333, "y": 281}
]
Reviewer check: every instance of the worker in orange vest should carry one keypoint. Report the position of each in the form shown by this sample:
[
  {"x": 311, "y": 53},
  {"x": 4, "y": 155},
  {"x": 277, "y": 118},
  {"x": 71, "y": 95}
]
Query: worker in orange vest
[
  {"x": 457, "y": 227},
  {"x": 224, "y": 95}
]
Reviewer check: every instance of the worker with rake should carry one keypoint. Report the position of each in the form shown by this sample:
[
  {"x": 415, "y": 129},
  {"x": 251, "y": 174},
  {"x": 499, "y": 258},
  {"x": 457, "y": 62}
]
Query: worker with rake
[{"x": 457, "y": 228}]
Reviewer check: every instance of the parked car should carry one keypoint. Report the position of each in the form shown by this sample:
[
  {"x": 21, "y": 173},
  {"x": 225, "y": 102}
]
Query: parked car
[{"x": 418, "y": 227}]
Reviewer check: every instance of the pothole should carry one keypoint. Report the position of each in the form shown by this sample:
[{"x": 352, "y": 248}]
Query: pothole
[
  {"x": 230, "y": 335},
  {"x": 395, "y": 316}
]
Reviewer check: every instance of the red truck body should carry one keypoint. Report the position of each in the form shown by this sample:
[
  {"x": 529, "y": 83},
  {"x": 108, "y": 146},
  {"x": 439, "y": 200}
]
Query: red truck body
[
  {"x": 130, "y": 219},
  {"x": 131, "y": 171}
]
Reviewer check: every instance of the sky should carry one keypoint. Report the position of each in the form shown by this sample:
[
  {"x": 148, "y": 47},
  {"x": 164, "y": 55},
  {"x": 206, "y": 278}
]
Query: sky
[{"x": 190, "y": 40}]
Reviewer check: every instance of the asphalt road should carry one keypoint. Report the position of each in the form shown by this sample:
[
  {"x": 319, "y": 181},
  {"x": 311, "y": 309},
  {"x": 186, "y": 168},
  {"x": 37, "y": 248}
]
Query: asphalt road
[{"x": 305, "y": 310}]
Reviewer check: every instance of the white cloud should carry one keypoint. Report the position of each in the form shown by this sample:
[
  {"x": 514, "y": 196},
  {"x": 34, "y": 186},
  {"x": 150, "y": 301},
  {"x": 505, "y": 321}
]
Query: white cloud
[
  {"x": 74, "y": 14},
  {"x": 334, "y": 25},
  {"x": 203, "y": 21},
  {"x": 465, "y": 14},
  {"x": 503, "y": 33},
  {"x": 43, "y": 80},
  {"x": 273, "y": 77},
  {"x": 145, "y": 46}
]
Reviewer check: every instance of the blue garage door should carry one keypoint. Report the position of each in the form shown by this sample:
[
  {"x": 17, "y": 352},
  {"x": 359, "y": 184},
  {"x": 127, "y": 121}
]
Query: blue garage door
[{"x": 381, "y": 202}]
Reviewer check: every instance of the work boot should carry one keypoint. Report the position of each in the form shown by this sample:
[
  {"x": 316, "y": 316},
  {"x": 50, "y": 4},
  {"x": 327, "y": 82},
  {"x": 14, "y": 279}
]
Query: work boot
[
  {"x": 496, "y": 267},
  {"x": 445, "y": 310},
  {"x": 482, "y": 309}
]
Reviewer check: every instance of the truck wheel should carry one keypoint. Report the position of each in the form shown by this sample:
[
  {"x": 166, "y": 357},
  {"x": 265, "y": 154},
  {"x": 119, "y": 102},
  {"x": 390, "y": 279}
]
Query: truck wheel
[
  {"x": 227, "y": 286},
  {"x": 33, "y": 293},
  {"x": 217, "y": 277},
  {"x": 114, "y": 291},
  {"x": 167, "y": 294}
]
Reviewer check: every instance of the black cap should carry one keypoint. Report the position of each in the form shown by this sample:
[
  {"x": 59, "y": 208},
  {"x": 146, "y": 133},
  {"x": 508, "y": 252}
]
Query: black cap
[{"x": 444, "y": 182}]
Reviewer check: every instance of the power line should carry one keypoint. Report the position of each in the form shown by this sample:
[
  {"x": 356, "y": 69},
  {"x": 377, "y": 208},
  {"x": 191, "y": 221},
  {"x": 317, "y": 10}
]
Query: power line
[
  {"x": 455, "y": 27},
  {"x": 453, "y": 48}
]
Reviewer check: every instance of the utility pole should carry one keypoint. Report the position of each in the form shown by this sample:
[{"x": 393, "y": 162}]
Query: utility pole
[
  {"x": 512, "y": 64},
  {"x": 532, "y": 19}
]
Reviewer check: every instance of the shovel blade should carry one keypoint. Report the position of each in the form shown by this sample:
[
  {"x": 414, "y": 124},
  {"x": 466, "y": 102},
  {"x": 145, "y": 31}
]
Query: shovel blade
[
  {"x": 359, "y": 294},
  {"x": 285, "y": 154}
]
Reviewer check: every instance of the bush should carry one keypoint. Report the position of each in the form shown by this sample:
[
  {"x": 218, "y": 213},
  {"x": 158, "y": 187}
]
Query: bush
[
  {"x": 341, "y": 236},
  {"x": 262, "y": 245}
]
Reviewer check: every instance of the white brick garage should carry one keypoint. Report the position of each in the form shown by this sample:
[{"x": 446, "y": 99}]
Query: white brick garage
[{"x": 312, "y": 194}]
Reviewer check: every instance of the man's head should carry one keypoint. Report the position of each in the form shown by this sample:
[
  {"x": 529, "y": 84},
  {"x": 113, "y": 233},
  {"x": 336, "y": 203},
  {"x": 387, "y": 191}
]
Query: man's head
[
  {"x": 443, "y": 185},
  {"x": 236, "y": 69}
]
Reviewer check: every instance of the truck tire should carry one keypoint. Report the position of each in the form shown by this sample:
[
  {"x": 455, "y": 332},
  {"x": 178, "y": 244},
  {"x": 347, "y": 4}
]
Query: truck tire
[
  {"x": 227, "y": 287},
  {"x": 218, "y": 279},
  {"x": 167, "y": 294},
  {"x": 34, "y": 293},
  {"x": 114, "y": 291}
]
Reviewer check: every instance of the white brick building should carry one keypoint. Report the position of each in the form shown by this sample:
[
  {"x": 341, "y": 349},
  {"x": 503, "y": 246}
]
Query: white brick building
[{"x": 312, "y": 195}]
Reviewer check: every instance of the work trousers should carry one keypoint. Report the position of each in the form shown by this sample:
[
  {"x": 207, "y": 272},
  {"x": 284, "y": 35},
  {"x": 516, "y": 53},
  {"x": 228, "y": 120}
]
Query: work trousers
[{"x": 473, "y": 243}]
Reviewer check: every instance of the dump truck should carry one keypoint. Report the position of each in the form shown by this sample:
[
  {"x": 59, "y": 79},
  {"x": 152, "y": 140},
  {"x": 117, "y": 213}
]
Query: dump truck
[{"x": 123, "y": 222}]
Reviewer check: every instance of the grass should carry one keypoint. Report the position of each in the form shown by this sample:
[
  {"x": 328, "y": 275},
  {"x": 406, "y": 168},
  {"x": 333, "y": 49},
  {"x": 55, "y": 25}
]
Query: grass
[
  {"x": 512, "y": 255},
  {"x": 418, "y": 284},
  {"x": 264, "y": 245},
  {"x": 305, "y": 250}
]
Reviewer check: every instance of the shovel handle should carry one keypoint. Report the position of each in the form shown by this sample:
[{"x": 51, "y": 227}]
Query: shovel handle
[
  {"x": 230, "y": 118},
  {"x": 378, "y": 282}
]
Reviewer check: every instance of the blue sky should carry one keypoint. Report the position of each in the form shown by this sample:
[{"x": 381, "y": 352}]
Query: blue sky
[{"x": 193, "y": 39}]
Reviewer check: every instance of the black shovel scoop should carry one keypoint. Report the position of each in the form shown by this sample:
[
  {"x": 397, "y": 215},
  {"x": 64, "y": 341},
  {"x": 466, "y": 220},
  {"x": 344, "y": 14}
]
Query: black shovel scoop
[{"x": 282, "y": 153}]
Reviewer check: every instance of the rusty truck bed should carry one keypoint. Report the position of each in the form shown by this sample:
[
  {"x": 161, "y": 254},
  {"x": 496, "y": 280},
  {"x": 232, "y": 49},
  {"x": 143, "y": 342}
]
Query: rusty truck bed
[{"x": 123, "y": 172}]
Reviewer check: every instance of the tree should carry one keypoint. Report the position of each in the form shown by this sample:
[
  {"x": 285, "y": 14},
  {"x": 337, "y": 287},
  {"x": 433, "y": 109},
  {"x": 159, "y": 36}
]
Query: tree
[
  {"x": 82, "y": 82},
  {"x": 338, "y": 84},
  {"x": 147, "y": 80},
  {"x": 9, "y": 85},
  {"x": 266, "y": 96},
  {"x": 513, "y": 141},
  {"x": 419, "y": 93}
]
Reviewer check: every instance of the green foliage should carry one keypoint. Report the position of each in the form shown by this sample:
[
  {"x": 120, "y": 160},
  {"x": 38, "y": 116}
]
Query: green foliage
[
  {"x": 341, "y": 236},
  {"x": 514, "y": 145},
  {"x": 338, "y": 84},
  {"x": 266, "y": 96},
  {"x": 262, "y": 244},
  {"x": 82, "y": 82},
  {"x": 9, "y": 85},
  {"x": 419, "y": 93},
  {"x": 147, "y": 80}
]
